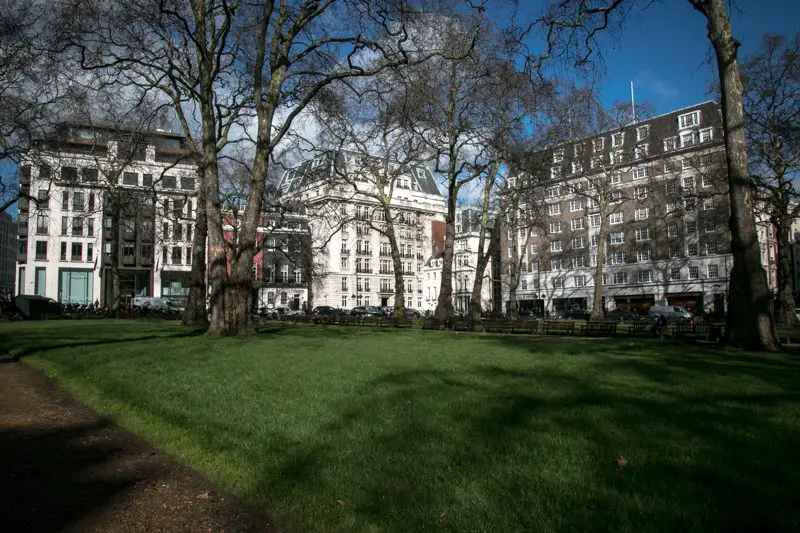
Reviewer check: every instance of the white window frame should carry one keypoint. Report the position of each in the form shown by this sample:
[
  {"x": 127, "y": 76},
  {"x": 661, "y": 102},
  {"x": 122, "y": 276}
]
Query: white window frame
[
  {"x": 715, "y": 271},
  {"x": 672, "y": 229},
  {"x": 617, "y": 139},
  {"x": 555, "y": 227},
  {"x": 708, "y": 204},
  {"x": 643, "y": 234},
  {"x": 556, "y": 246},
  {"x": 648, "y": 278},
  {"x": 616, "y": 237},
  {"x": 641, "y": 193},
  {"x": 641, "y": 213},
  {"x": 706, "y": 135},
  {"x": 594, "y": 221},
  {"x": 641, "y": 172},
  {"x": 575, "y": 205},
  {"x": 577, "y": 167},
  {"x": 641, "y": 151},
  {"x": 694, "y": 270},
  {"x": 599, "y": 144},
  {"x": 641, "y": 256},
  {"x": 554, "y": 209},
  {"x": 689, "y": 120},
  {"x": 688, "y": 139},
  {"x": 705, "y": 181},
  {"x": 619, "y": 278},
  {"x": 579, "y": 281},
  {"x": 670, "y": 144},
  {"x": 642, "y": 132},
  {"x": 558, "y": 155},
  {"x": 578, "y": 243},
  {"x": 615, "y": 219}
]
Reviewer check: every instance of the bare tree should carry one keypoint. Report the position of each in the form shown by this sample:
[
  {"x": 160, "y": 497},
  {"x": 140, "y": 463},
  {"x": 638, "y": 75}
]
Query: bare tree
[{"x": 771, "y": 78}]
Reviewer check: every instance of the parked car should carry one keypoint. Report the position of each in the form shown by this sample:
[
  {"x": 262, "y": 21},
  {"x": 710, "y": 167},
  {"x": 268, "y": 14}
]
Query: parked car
[
  {"x": 325, "y": 310},
  {"x": 36, "y": 307},
  {"x": 622, "y": 315},
  {"x": 578, "y": 313},
  {"x": 366, "y": 310},
  {"x": 411, "y": 313},
  {"x": 670, "y": 313}
]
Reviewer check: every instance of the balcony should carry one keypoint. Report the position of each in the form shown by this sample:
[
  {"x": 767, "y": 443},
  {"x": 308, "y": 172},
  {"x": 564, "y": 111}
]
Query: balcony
[
  {"x": 386, "y": 290},
  {"x": 41, "y": 230},
  {"x": 364, "y": 252},
  {"x": 41, "y": 256},
  {"x": 345, "y": 251},
  {"x": 362, "y": 270}
]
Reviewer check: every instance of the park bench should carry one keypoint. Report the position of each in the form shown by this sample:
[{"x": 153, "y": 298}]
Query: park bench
[
  {"x": 599, "y": 327},
  {"x": 432, "y": 323},
  {"x": 558, "y": 326},
  {"x": 496, "y": 326},
  {"x": 684, "y": 328},
  {"x": 462, "y": 324},
  {"x": 524, "y": 326},
  {"x": 645, "y": 328}
]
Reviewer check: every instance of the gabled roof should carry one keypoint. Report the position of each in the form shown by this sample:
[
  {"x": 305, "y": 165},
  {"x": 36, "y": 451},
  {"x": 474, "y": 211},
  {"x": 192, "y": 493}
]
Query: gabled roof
[{"x": 323, "y": 168}]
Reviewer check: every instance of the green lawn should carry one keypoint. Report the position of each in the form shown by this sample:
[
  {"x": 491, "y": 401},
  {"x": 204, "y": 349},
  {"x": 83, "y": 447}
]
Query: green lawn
[{"x": 500, "y": 433}]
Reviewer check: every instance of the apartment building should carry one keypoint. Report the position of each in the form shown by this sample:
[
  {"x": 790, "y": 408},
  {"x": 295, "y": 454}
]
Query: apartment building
[
  {"x": 108, "y": 200},
  {"x": 653, "y": 192},
  {"x": 350, "y": 256},
  {"x": 465, "y": 258},
  {"x": 8, "y": 254}
]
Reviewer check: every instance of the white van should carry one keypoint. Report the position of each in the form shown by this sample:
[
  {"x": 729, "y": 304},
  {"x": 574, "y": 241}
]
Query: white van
[
  {"x": 671, "y": 313},
  {"x": 150, "y": 303}
]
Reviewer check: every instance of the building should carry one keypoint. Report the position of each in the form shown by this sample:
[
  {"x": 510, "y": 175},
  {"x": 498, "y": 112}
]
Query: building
[
  {"x": 467, "y": 240},
  {"x": 656, "y": 190},
  {"x": 109, "y": 201},
  {"x": 8, "y": 254},
  {"x": 350, "y": 258}
]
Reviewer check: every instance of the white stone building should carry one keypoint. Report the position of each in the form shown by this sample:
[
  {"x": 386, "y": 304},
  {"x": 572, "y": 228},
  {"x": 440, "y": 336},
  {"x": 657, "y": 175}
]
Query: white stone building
[
  {"x": 352, "y": 259},
  {"x": 67, "y": 239}
]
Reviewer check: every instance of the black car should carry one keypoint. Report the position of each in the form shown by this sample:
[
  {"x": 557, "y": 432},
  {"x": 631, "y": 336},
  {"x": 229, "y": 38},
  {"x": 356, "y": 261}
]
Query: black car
[
  {"x": 325, "y": 310},
  {"x": 578, "y": 313},
  {"x": 622, "y": 315},
  {"x": 366, "y": 310}
]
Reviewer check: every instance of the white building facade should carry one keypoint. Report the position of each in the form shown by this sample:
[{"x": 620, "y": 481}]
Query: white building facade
[{"x": 70, "y": 235}]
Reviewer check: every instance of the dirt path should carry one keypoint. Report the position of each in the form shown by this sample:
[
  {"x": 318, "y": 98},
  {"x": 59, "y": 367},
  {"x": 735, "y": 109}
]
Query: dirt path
[{"x": 64, "y": 468}]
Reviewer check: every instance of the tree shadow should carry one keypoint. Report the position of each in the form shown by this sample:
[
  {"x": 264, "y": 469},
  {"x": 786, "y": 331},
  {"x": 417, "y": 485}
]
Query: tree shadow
[{"x": 53, "y": 477}]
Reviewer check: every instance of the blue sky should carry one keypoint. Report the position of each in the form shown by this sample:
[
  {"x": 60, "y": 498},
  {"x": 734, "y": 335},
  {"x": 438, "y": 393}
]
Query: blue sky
[{"x": 665, "y": 50}]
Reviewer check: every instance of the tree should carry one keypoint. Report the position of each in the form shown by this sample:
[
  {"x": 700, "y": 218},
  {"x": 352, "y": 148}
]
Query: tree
[{"x": 771, "y": 79}]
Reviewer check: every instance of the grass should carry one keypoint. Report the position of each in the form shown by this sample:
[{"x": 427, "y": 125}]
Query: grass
[{"x": 499, "y": 433}]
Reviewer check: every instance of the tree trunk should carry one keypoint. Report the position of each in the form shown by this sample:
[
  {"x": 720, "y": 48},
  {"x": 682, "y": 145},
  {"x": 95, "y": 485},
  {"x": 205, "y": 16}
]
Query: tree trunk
[
  {"x": 115, "y": 229},
  {"x": 397, "y": 265},
  {"x": 784, "y": 304},
  {"x": 195, "y": 312},
  {"x": 750, "y": 322},
  {"x": 600, "y": 256},
  {"x": 475, "y": 303},
  {"x": 444, "y": 305}
]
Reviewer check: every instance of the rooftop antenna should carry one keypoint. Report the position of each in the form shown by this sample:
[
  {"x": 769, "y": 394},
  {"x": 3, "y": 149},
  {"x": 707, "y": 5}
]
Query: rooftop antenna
[{"x": 633, "y": 105}]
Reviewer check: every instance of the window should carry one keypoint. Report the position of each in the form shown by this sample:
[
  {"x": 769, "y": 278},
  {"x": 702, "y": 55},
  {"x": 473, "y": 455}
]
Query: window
[
  {"x": 575, "y": 205},
  {"x": 63, "y": 255},
  {"x": 641, "y": 173},
  {"x": 616, "y": 195},
  {"x": 691, "y": 228},
  {"x": 43, "y": 199},
  {"x": 617, "y": 237},
  {"x": 694, "y": 272},
  {"x": 671, "y": 207},
  {"x": 599, "y": 144},
  {"x": 617, "y": 258},
  {"x": 642, "y": 213},
  {"x": 578, "y": 262},
  {"x": 691, "y": 249},
  {"x": 534, "y": 249},
  {"x": 146, "y": 251},
  {"x": 168, "y": 182},
  {"x": 596, "y": 162},
  {"x": 77, "y": 252},
  {"x": 510, "y": 252},
  {"x": 77, "y": 226},
  {"x": 577, "y": 243},
  {"x": 187, "y": 184},
  {"x": 708, "y": 204},
  {"x": 556, "y": 264},
  {"x": 688, "y": 183},
  {"x": 641, "y": 151},
  {"x": 41, "y": 250},
  {"x": 687, "y": 139},
  {"x": 147, "y": 180},
  {"x": 189, "y": 259},
  {"x": 689, "y": 120},
  {"x": 64, "y": 225},
  {"x": 594, "y": 221},
  {"x": 642, "y": 234},
  {"x": 65, "y": 201},
  {"x": 89, "y": 252},
  {"x": 44, "y": 172},
  {"x": 705, "y": 181},
  {"x": 554, "y": 209},
  {"x": 344, "y": 263},
  {"x": 706, "y": 135},
  {"x": 42, "y": 224},
  {"x": 578, "y": 150},
  {"x": 641, "y": 193},
  {"x": 177, "y": 232},
  {"x": 616, "y": 157},
  {"x": 642, "y": 133},
  {"x": 616, "y": 178},
  {"x": 675, "y": 274},
  {"x": 705, "y": 160},
  {"x": 77, "y": 201},
  {"x": 177, "y": 255},
  {"x": 130, "y": 178},
  {"x": 69, "y": 174},
  {"x": 711, "y": 247},
  {"x": 91, "y": 201},
  {"x": 556, "y": 246},
  {"x": 619, "y": 278},
  {"x": 615, "y": 219},
  {"x": 687, "y": 163},
  {"x": 689, "y": 204},
  {"x": 188, "y": 232},
  {"x": 593, "y": 240},
  {"x": 558, "y": 155},
  {"x": 645, "y": 254},
  {"x": 670, "y": 144},
  {"x": 555, "y": 227},
  {"x": 617, "y": 139},
  {"x": 577, "y": 167},
  {"x": 579, "y": 281},
  {"x": 554, "y": 192},
  {"x": 711, "y": 226},
  {"x": 558, "y": 283},
  {"x": 576, "y": 224},
  {"x": 713, "y": 271},
  {"x": 672, "y": 229},
  {"x": 645, "y": 276}
]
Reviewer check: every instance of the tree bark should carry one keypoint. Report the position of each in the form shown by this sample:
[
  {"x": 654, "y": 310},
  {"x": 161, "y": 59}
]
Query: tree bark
[
  {"x": 784, "y": 304},
  {"x": 195, "y": 312},
  {"x": 397, "y": 265},
  {"x": 750, "y": 323},
  {"x": 444, "y": 305},
  {"x": 475, "y": 303},
  {"x": 115, "y": 242}
]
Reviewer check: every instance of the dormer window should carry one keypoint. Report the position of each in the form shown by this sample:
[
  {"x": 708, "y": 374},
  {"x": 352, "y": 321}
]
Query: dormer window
[
  {"x": 642, "y": 133},
  {"x": 558, "y": 155},
  {"x": 578, "y": 150},
  {"x": 689, "y": 120},
  {"x": 617, "y": 139},
  {"x": 599, "y": 144}
]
